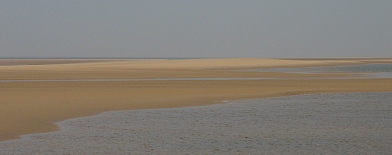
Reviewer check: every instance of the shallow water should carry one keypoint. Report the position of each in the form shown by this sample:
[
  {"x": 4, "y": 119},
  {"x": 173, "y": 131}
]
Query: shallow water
[
  {"x": 353, "y": 123},
  {"x": 362, "y": 68},
  {"x": 368, "y": 70}
]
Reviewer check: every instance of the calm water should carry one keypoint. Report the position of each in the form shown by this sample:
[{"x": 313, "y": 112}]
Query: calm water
[
  {"x": 364, "y": 68},
  {"x": 369, "y": 70},
  {"x": 344, "y": 123}
]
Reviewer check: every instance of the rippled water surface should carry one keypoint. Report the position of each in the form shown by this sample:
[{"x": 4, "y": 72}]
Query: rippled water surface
[{"x": 353, "y": 123}]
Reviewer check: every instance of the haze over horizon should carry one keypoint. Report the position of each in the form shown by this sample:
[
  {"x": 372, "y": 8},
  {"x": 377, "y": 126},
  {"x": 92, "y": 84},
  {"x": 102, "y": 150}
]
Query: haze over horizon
[{"x": 195, "y": 29}]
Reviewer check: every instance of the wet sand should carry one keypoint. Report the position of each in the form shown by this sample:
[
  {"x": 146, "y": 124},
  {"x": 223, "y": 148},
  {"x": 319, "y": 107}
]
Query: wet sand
[
  {"x": 342, "y": 123},
  {"x": 34, "y": 107}
]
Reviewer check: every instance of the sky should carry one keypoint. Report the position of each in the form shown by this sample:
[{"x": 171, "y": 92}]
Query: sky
[{"x": 195, "y": 28}]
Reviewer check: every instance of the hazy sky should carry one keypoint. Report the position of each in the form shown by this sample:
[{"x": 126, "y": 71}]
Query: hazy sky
[{"x": 196, "y": 28}]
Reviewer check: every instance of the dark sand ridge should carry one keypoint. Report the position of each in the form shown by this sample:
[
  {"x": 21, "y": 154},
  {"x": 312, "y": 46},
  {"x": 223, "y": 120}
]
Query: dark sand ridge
[{"x": 33, "y": 107}]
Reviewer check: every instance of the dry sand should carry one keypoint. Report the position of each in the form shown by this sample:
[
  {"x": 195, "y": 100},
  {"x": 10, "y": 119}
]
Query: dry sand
[{"x": 33, "y": 107}]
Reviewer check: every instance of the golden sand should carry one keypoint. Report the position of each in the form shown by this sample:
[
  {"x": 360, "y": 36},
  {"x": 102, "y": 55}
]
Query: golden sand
[{"x": 32, "y": 107}]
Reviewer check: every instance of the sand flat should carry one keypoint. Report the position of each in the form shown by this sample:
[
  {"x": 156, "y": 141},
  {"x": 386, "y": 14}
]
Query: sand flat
[
  {"x": 341, "y": 123},
  {"x": 181, "y": 63},
  {"x": 193, "y": 68},
  {"x": 34, "y": 107}
]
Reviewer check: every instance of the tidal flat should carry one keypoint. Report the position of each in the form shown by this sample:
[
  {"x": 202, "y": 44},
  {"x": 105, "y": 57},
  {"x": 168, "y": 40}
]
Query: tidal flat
[
  {"x": 339, "y": 123},
  {"x": 37, "y": 99}
]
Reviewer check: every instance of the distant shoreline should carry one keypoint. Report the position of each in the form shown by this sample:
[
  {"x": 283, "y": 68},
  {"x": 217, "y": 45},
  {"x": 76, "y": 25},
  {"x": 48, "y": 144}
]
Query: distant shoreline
[{"x": 48, "y": 61}]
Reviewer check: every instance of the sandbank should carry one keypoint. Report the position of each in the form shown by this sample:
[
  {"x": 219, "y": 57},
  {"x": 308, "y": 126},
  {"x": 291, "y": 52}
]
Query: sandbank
[{"x": 34, "y": 107}]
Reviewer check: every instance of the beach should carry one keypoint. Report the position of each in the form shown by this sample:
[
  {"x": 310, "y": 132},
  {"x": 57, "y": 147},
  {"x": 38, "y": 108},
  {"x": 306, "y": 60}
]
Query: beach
[
  {"x": 34, "y": 96},
  {"x": 338, "y": 123}
]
